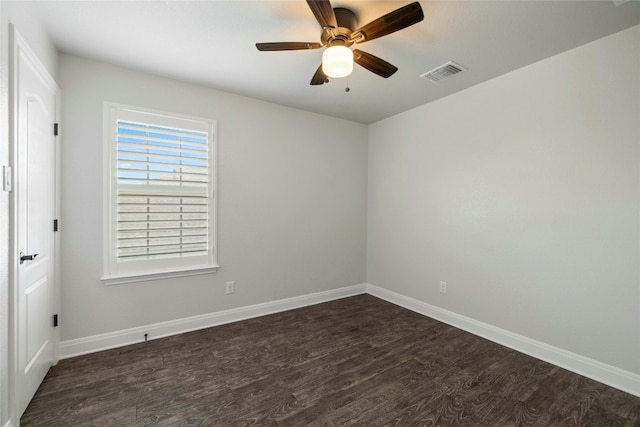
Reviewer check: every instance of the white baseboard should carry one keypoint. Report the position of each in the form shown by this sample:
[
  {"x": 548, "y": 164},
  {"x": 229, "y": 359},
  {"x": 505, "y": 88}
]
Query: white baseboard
[
  {"x": 110, "y": 340},
  {"x": 607, "y": 374},
  {"x": 598, "y": 371}
]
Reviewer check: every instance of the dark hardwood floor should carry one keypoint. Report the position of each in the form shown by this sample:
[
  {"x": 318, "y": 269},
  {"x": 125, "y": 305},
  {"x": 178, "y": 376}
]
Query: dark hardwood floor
[{"x": 355, "y": 361}]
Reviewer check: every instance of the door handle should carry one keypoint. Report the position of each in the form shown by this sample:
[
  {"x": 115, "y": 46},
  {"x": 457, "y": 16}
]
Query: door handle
[{"x": 24, "y": 257}]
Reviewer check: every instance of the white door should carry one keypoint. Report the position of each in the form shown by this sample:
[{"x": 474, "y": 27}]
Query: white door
[{"x": 35, "y": 102}]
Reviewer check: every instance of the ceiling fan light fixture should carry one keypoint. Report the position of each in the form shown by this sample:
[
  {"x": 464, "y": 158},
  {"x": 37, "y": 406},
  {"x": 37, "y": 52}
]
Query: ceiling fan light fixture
[{"x": 337, "y": 61}]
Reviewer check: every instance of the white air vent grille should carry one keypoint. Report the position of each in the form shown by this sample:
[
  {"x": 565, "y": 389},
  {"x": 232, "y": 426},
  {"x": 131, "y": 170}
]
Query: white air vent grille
[{"x": 443, "y": 72}]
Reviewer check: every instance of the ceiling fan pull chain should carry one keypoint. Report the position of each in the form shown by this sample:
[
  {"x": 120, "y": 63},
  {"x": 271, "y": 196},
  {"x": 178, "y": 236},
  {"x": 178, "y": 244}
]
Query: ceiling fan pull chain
[{"x": 347, "y": 89}]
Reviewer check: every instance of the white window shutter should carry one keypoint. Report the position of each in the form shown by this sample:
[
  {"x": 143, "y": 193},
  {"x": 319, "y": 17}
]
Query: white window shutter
[
  {"x": 162, "y": 178},
  {"x": 161, "y": 193}
]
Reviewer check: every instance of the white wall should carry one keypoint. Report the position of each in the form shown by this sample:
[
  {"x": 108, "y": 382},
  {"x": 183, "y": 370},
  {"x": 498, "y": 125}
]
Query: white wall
[
  {"x": 292, "y": 202},
  {"x": 32, "y": 31},
  {"x": 523, "y": 194}
]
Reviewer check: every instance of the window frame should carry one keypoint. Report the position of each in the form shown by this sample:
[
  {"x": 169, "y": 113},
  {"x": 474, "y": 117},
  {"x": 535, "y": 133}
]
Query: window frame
[{"x": 153, "y": 269}]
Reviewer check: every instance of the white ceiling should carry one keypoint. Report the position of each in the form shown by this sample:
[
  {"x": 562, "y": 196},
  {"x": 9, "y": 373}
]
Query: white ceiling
[{"x": 213, "y": 43}]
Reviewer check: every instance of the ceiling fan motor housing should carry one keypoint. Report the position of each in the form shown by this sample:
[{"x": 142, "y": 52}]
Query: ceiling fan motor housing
[{"x": 339, "y": 36}]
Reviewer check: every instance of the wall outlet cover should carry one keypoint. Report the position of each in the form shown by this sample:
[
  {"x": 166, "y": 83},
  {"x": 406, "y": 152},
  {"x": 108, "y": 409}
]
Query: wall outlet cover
[
  {"x": 443, "y": 287},
  {"x": 230, "y": 288}
]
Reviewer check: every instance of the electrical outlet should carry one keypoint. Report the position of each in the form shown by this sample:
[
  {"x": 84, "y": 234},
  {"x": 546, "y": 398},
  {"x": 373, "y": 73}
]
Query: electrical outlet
[
  {"x": 230, "y": 288},
  {"x": 443, "y": 287}
]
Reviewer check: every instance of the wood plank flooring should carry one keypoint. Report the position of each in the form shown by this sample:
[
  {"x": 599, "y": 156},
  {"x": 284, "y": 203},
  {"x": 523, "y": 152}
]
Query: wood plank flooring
[{"x": 355, "y": 361}]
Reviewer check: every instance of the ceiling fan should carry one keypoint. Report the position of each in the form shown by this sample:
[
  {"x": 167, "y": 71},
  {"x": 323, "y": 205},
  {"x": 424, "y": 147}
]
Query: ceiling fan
[{"x": 339, "y": 33}]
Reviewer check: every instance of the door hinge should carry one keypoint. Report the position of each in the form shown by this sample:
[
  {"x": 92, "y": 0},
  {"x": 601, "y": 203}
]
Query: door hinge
[
  {"x": 55, "y": 320},
  {"x": 55, "y": 129},
  {"x": 55, "y": 225}
]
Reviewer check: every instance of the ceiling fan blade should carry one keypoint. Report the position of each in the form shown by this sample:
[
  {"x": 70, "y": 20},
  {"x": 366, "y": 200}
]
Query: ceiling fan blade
[
  {"x": 323, "y": 11},
  {"x": 389, "y": 23},
  {"x": 287, "y": 46},
  {"x": 319, "y": 77},
  {"x": 373, "y": 63}
]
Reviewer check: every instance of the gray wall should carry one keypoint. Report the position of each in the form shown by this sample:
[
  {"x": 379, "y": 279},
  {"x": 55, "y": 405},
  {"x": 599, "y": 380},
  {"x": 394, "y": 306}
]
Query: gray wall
[
  {"x": 523, "y": 194},
  {"x": 292, "y": 202}
]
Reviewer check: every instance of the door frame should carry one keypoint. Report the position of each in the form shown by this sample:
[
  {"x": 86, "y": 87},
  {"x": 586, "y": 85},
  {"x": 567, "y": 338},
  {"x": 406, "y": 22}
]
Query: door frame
[{"x": 18, "y": 45}]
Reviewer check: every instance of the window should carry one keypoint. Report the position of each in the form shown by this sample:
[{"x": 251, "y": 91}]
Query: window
[{"x": 160, "y": 195}]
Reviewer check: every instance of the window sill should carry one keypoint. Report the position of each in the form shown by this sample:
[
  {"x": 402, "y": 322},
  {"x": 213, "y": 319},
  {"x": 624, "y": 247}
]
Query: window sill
[{"x": 143, "y": 277}]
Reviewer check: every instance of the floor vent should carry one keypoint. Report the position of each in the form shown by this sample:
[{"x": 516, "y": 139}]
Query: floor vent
[{"x": 443, "y": 72}]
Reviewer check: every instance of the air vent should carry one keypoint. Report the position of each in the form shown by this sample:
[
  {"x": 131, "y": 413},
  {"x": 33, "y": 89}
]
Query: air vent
[{"x": 443, "y": 72}]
